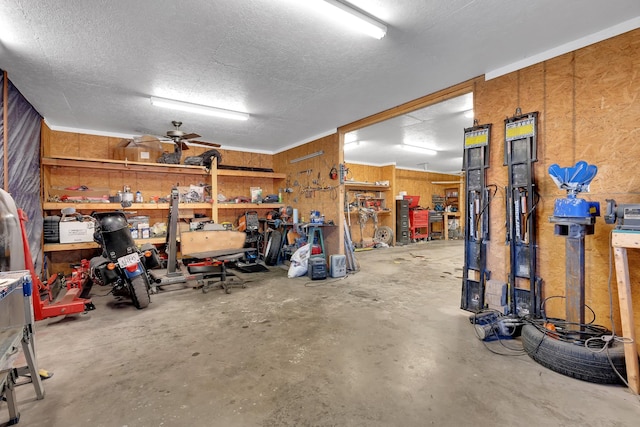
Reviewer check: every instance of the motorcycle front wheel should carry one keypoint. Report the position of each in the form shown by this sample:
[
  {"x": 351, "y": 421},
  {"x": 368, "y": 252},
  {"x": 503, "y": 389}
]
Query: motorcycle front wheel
[{"x": 140, "y": 292}]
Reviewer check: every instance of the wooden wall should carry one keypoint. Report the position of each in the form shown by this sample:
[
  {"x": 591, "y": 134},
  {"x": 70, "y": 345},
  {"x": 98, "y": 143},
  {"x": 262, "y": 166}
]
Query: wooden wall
[
  {"x": 305, "y": 175},
  {"x": 589, "y": 105},
  {"x": 421, "y": 184},
  {"x": 414, "y": 182},
  {"x": 68, "y": 144}
]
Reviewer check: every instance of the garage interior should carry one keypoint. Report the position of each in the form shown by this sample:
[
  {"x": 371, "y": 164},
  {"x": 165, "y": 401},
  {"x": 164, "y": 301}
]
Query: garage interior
[{"x": 392, "y": 333}]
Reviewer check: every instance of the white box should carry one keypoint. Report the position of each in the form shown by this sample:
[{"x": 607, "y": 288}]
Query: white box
[
  {"x": 338, "y": 265},
  {"x": 76, "y": 231}
]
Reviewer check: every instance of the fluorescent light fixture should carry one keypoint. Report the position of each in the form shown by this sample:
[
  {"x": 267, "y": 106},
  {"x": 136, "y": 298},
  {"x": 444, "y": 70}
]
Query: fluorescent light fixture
[
  {"x": 353, "y": 144},
  {"x": 420, "y": 150},
  {"x": 350, "y": 137},
  {"x": 199, "y": 109},
  {"x": 307, "y": 157},
  {"x": 356, "y": 19}
]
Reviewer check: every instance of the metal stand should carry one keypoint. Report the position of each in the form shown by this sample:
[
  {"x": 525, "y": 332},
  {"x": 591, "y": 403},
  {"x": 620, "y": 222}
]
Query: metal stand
[
  {"x": 476, "y": 224},
  {"x": 172, "y": 237},
  {"x": 574, "y": 267},
  {"x": 519, "y": 155},
  {"x": 574, "y": 218}
]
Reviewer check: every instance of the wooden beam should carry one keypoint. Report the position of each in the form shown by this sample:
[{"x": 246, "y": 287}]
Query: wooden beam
[{"x": 416, "y": 104}]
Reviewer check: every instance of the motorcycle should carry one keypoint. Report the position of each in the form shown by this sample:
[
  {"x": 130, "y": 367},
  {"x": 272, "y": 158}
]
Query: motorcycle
[{"x": 121, "y": 264}]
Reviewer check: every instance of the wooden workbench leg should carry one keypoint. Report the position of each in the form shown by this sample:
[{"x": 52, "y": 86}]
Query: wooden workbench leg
[
  {"x": 626, "y": 316},
  {"x": 445, "y": 221}
]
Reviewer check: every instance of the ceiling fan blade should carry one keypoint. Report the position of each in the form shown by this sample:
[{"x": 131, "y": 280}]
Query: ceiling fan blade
[
  {"x": 184, "y": 145},
  {"x": 190, "y": 136},
  {"x": 208, "y": 144}
]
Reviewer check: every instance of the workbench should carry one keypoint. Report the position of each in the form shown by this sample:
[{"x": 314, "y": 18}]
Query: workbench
[
  {"x": 447, "y": 216},
  {"x": 16, "y": 326},
  {"x": 620, "y": 241}
]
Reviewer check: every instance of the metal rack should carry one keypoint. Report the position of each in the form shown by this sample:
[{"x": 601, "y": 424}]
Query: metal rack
[
  {"x": 521, "y": 198},
  {"x": 476, "y": 161}
]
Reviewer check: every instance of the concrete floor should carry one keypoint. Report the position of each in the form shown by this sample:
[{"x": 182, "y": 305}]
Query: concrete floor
[{"x": 387, "y": 346}]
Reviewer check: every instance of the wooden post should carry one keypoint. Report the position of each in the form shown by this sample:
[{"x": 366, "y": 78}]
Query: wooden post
[{"x": 5, "y": 127}]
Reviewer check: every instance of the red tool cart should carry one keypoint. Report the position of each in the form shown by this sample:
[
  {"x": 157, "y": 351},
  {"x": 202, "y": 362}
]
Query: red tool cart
[{"x": 418, "y": 219}]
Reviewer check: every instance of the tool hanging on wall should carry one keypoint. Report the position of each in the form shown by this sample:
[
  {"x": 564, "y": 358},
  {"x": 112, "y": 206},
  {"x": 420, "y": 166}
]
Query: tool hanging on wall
[
  {"x": 475, "y": 164},
  {"x": 520, "y": 149}
]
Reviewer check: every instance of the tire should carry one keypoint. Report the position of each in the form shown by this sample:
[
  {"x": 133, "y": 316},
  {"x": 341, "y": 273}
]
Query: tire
[
  {"x": 273, "y": 248},
  {"x": 140, "y": 291},
  {"x": 574, "y": 360},
  {"x": 384, "y": 234}
]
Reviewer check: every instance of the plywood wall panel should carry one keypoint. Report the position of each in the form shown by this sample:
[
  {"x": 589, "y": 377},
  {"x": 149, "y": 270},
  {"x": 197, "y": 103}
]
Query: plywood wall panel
[
  {"x": 589, "y": 110},
  {"x": 557, "y": 130},
  {"x": 494, "y": 100},
  {"x": 64, "y": 144},
  {"x": 328, "y": 201}
]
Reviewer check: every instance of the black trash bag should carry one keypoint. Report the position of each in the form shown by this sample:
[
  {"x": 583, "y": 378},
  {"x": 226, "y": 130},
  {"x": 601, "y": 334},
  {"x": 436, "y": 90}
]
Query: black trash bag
[{"x": 204, "y": 159}]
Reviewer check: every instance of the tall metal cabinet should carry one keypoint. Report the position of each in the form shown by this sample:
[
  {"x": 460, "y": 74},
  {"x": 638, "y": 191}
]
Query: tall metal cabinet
[{"x": 402, "y": 222}]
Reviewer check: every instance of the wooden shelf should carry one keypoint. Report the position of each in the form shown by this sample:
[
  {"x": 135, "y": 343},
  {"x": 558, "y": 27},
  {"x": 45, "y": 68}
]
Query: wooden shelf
[
  {"x": 106, "y": 164},
  {"x": 251, "y": 174},
  {"x": 116, "y": 206},
  {"x": 61, "y": 164},
  {"x": 387, "y": 212},
  {"x": 250, "y": 205},
  {"x": 55, "y": 247},
  {"x": 365, "y": 186}
]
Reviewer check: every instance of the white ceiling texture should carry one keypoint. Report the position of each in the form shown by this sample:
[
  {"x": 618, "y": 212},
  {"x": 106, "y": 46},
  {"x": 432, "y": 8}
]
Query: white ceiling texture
[{"x": 92, "y": 65}]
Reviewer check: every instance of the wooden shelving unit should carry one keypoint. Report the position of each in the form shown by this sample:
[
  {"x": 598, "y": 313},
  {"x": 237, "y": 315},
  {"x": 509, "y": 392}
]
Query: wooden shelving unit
[
  {"x": 55, "y": 247},
  {"x": 59, "y": 165},
  {"x": 362, "y": 192},
  {"x": 53, "y": 206}
]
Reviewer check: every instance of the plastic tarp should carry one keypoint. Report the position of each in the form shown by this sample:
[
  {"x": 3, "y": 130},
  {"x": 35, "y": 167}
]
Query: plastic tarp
[{"x": 23, "y": 125}]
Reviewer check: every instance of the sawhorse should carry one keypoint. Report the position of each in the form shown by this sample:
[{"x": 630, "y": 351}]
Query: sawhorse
[{"x": 621, "y": 240}]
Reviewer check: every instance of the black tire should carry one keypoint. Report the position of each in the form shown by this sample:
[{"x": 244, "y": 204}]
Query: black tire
[
  {"x": 384, "y": 234},
  {"x": 140, "y": 292},
  {"x": 273, "y": 248},
  {"x": 574, "y": 360}
]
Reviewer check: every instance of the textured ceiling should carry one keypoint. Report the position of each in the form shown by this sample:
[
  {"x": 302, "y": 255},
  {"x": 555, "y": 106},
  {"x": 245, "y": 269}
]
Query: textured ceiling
[{"x": 93, "y": 64}]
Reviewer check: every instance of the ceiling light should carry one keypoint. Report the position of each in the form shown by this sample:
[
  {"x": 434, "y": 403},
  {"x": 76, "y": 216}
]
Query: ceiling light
[
  {"x": 199, "y": 109},
  {"x": 307, "y": 157},
  {"x": 356, "y": 19},
  {"x": 350, "y": 137},
  {"x": 416, "y": 149},
  {"x": 352, "y": 144}
]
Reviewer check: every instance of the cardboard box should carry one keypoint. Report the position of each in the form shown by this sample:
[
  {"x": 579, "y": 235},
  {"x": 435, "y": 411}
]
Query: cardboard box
[
  {"x": 144, "y": 149},
  {"x": 76, "y": 231}
]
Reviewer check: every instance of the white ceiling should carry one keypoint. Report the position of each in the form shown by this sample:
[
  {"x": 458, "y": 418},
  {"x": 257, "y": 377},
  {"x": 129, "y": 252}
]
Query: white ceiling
[
  {"x": 91, "y": 65},
  {"x": 439, "y": 127}
]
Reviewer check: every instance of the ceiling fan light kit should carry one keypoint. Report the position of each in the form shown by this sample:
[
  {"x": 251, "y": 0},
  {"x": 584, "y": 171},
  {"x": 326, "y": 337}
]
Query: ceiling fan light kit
[
  {"x": 199, "y": 109},
  {"x": 356, "y": 19}
]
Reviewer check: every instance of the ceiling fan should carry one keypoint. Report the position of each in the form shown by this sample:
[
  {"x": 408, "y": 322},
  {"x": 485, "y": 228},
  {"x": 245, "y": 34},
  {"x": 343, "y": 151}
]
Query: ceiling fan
[{"x": 181, "y": 138}]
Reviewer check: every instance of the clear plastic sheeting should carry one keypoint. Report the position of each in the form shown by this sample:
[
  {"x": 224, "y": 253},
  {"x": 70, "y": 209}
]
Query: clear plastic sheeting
[
  {"x": 11, "y": 249},
  {"x": 23, "y": 130}
]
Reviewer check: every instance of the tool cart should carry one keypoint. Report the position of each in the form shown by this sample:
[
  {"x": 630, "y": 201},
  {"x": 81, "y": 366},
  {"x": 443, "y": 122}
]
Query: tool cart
[{"x": 418, "y": 219}]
